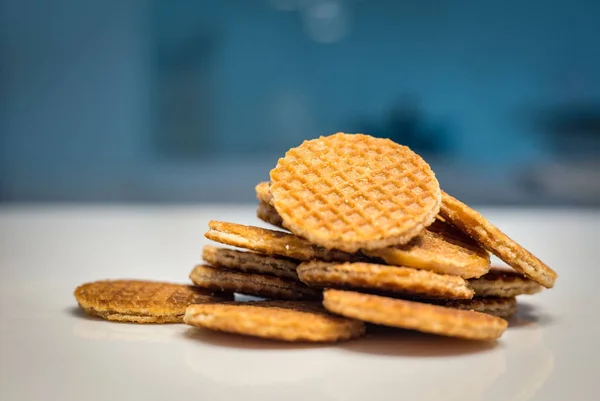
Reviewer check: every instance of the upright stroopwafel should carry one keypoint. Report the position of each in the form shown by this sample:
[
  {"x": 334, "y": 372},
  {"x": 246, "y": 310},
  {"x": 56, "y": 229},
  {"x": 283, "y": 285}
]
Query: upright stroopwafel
[
  {"x": 490, "y": 236},
  {"x": 355, "y": 191}
]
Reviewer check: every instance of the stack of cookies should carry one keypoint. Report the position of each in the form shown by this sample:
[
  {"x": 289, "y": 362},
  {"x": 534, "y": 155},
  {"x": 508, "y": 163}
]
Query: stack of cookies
[{"x": 364, "y": 235}]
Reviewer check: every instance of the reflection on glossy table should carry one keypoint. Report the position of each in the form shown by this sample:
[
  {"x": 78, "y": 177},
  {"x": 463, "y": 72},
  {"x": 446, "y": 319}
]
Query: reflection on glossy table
[{"x": 49, "y": 350}]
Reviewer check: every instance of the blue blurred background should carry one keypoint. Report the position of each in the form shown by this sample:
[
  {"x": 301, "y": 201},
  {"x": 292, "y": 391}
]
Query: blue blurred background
[{"x": 194, "y": 101}]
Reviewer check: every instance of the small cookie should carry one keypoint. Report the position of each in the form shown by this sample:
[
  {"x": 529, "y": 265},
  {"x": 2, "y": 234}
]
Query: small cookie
[
  {"x": 263, "y": 192},
  {"x": 354, "y": 191},
  {"x": 440, "y": 248},
  {"x": 504, "y": 283},
  {"x": 250, "y": 262},
  {"x": 267, "y": 213},
  {"x": 414, "y": 315},
  {"x": 140, "y": 301},
  {"x": 215, "y": 278},
  {"x": 275, "y": 320},
  {"x": 404, "y": 280},
  {"x": 272, "y": 242},
  {"x": 494, "y": 240},
  {"x": 503, "y": 307}
]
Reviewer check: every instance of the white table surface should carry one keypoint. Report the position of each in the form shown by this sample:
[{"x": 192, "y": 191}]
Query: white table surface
[{"x": 50, "y": 351}]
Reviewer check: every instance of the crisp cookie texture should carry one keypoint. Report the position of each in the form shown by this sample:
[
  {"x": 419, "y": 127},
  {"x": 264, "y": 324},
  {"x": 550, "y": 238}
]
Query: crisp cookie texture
[
  {"x": 353, "y": 191},
  {"x": 488, "y": 235},
  {"x": 250, "y": 262},
  {"x": 267, "y": 213},
  {"x": 376, "y": 277},
  {"x": 263, "y": 192},
  {"x": 275, "y": 320},
  {"x": 272, "y": 242},
  {"x": 258, "y": 285},
  {"x": 141, "y": 301},
  {"x": 440, "y": 248},
  {"x": 423, "y": 317},
  {"x": 503, "y": 307},
  {"x": 504, "y": 283}
]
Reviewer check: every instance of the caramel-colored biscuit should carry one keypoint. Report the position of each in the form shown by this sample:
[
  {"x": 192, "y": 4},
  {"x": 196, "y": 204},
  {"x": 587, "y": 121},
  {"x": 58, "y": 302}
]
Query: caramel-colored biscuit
[
  {"x": 423, "y": 317},
  {"x": 250, "y": 262},
  {"x": 440, "y": 248},
  {"x": 267, "y": 213},
  {"x": 275, "y": 320},
  {"x": 503, "y": 307},
  {"x": 140, "y": 301},
  {"x": 216, "y": 278},
  {"x": 272, "y": 242},
  {"x": 404, "y": 280},
  {"x": 354, "y": 191},
  {"x": 494, "y": 240},
  {"x": 503, "y": 283},
  {"x": 263, "y": 192}
]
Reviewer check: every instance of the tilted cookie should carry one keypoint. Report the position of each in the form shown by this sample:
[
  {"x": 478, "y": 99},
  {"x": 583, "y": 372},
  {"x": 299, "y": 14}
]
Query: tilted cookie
[
  {"x": 141, "y": 301},
  {"x": 503, "y": 307},
  {"x": 275, "y": 320},
  {"x": 354, "y": 191},
  {"x": 504, "y": 283},
  {"x": 414, "y": 315},
  {"x": 268, "y": 214},
  {"x": 440, "y": 248},
  {"x": 403, "y": 280},
  {"x": 272, "y": 242},
  {"x": 494, "y": 240},
  {"x": 263, "y": 192},
  {"x": 259, "y": 285},
  {"x": 250, "y": 262}
]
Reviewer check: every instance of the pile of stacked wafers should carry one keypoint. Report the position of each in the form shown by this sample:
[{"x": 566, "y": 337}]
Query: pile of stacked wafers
[{"x": 364, "y": 235}]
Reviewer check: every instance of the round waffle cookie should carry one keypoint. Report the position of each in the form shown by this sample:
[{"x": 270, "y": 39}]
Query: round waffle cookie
[
  {"x": 404, "y": 280},
  {"x": 275, "y": 320},
  {"x": 250, "y": 262},
  {"x": 503, "y": 307},
  {"x": 440, "y": 248},
  {"x": 271, "y": 242},
  {"x": 503, "y": 283},
  {"x": 353, "y": 191},
  {"x": 140, "y": 301},
  {"x": 215, "y": 278},
  {"x": 268, "y": 214},
  {"x": 423, "y": 317},
  {"x": 488, "y": 235},
  {"x": 263, "y": 192}
]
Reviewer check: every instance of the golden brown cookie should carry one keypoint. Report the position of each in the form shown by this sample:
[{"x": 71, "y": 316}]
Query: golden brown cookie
[
  {"x": 503, "y": 283},
  {"x": 216, "y": 278},
  {"x": 440, "y": 248},
  {"x": 494, "y": 240},
  {"x": 263, "y": 192},
  {"x": 275, "y": 320},
  {"x": 503, "y": 307},
  {"x": 141, "y": 301},
  {"x": 271, "y": 242},
  {"x": 250, "y": 262},
  {"x": 414, "y": 315},
  {"x": 404, "y": 280},
  {"x": 354, "y": 191},
  {"x": 267, "y": 213}
]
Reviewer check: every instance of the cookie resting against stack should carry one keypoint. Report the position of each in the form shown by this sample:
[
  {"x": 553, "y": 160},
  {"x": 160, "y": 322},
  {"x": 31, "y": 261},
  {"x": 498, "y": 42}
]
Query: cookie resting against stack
[{"x": 362, "y": 234}]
